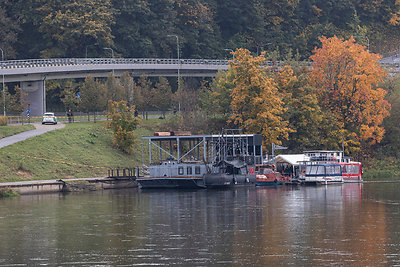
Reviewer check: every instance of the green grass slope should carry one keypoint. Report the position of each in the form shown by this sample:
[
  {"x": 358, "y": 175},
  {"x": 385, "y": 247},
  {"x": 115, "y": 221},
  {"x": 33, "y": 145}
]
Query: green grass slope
[
  {"x": 79, "y": 150},
  {"x": 14, "y": 129}
]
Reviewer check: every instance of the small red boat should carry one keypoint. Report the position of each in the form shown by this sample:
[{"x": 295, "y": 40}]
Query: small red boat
[{"x": 266, "y": 175}]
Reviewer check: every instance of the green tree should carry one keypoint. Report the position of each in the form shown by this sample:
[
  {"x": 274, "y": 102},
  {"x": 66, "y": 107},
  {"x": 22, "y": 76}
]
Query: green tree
[
  {"x": 132, "y": 92},
  {"x": 115, "y": 91},
  {"x": 221, "y": 88},
  {"x": 303, "y": 111},
  {"x": 69, "y": 96},
  {"x": 72, "y": 25},
  {"x": 18, "y": 101},
  {"x": 9, "y": 29},
  {"x": 92, "y": 97},
  {"x": 391, "y": 141},
  {"x": 145, "y": 88},
  {"x": 122, "y": 123},
  {"x": 162, "y": 95}
]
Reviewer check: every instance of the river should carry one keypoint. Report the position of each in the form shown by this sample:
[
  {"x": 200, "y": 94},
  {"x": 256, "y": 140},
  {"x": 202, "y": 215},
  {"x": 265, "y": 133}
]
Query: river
[{"x": 349, "y": 224}]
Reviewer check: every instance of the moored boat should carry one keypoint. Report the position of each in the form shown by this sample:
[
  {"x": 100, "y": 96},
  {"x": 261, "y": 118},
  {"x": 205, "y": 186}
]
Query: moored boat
[
  {"x": 329, "y": 167},
  {"x": 201, "y": 161},
  {"x": 352, "y": 172},
  {"x": 230, "y": 173},
  {"x": 321, "y": 173},
  {"x": 267, "y": 176}
]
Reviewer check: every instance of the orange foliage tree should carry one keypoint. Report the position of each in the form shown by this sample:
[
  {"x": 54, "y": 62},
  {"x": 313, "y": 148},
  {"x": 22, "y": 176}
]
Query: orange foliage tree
[
  {"x": 346, "y": 76},
  {"x": 257, "y": 105}
]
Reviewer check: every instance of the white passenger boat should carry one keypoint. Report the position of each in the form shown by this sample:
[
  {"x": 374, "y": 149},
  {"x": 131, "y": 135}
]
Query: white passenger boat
[{"x": 322, "y": 166}]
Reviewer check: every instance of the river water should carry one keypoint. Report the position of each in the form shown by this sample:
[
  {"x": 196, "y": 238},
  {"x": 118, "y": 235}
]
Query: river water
[{"x": 349, "y": 224}]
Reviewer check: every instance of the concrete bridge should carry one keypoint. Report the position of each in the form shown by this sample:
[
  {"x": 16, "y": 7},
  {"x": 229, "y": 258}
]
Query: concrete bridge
[{"x": 33, "y": 73}]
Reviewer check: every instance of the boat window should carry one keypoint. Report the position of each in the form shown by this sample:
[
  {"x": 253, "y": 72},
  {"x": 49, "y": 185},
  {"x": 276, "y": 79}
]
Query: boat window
[
  {"x": 315, "y": 170},
  {"x": 334, "y": 169},
  {"x": 180, "y": 170},
  {"x": 351, "y": 169},
  {"x": 189, "y": 170},
  {"x": 197, "y": 169}
]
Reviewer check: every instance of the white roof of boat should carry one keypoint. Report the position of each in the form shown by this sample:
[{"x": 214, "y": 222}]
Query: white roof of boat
[{"x": 292, "y": 159}]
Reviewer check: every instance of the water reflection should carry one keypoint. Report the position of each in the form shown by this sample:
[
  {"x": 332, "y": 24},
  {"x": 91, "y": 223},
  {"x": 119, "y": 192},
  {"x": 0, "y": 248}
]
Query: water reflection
[{"x": 351, "y": 224}]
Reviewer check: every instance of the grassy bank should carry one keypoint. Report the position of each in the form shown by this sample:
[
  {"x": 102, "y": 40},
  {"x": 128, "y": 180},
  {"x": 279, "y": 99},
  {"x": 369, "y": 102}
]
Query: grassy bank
[
  {"x": 84, "y": 150},
  {"x": 14, "y": 129},
  {"x": 387, "y": 169},
  {"x": 76, "y": 151}
]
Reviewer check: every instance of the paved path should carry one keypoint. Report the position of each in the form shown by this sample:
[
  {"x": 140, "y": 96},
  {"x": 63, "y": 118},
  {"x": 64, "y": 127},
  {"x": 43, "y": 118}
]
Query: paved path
[{"x": 40, "y": 129}]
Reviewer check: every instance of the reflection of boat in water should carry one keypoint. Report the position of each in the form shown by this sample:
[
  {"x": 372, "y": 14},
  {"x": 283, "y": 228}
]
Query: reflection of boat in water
[
  {"x": 266, "y": 175},
  {"x": 200, "y": 161}
]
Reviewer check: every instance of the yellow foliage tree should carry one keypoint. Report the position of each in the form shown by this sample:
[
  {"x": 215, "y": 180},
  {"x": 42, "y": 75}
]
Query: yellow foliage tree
[
  {"x": 257, "y": 105},
  {"x": 347, "y": 77},
  {"x": 122, "y": 122}
]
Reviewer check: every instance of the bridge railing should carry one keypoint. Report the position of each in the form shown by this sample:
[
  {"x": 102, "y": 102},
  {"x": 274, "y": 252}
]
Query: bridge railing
[{"x": 31, "y": 63}]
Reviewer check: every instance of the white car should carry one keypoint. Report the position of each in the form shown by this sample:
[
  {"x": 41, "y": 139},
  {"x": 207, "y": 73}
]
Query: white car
[{"x": 49, "y": 117}]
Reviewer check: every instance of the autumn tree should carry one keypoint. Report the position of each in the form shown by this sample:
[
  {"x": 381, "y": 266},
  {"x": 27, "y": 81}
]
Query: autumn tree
[
  {"x": 347, "y": 77},
  {"x": 257, "y": 105},
  {"x": 122, "y": 123}
]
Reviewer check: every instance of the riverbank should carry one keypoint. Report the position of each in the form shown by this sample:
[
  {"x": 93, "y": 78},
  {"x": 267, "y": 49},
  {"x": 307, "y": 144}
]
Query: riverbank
[
  {"x": 85, "y": 149},
  {"x": 77, "y": 151},
  {"x": 68, "y": 185}
]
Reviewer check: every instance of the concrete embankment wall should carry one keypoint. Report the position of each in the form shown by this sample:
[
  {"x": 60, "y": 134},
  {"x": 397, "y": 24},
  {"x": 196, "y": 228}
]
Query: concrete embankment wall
[{"x": 69, "y": 185}]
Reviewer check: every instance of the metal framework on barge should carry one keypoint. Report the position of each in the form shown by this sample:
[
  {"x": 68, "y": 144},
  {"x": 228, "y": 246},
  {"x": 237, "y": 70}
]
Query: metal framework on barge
[{"x": 210, "y": 149}]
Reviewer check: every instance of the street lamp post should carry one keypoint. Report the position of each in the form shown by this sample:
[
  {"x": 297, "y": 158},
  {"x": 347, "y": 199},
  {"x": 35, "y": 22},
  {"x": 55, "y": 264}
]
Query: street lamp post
[
  {"x": 112, "y": 51},
  {"x": 4, "y": 89},
  {"x": 179, "y": 65},
  {"x": 112, "y": 55}
]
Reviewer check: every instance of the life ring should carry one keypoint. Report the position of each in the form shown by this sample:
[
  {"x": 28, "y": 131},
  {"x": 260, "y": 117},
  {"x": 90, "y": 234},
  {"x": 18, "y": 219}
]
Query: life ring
[
  {"x": 273, "y": 166},
  {"x": 303, "y": 172}
]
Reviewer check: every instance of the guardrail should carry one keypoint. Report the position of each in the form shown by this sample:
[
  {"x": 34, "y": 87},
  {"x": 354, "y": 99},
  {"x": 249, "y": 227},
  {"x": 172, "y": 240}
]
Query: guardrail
[
  {"x": 31, "y": 63},
  {"x": 53, "y": 62}
]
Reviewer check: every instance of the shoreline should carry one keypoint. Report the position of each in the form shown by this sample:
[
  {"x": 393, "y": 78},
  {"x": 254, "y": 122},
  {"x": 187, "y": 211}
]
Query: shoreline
[
  {"x": 68, "y": 185},
  {"x": 86, "y": 184}
]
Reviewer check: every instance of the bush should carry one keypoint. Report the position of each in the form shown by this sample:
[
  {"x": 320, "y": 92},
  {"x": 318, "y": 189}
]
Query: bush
[
  {"x": 8, "y": 192},
  {"x": 3, "y": 120}
]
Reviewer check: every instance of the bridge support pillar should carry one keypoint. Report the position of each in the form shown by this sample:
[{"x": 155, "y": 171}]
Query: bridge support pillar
[{"x": 36, "y": 91}]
